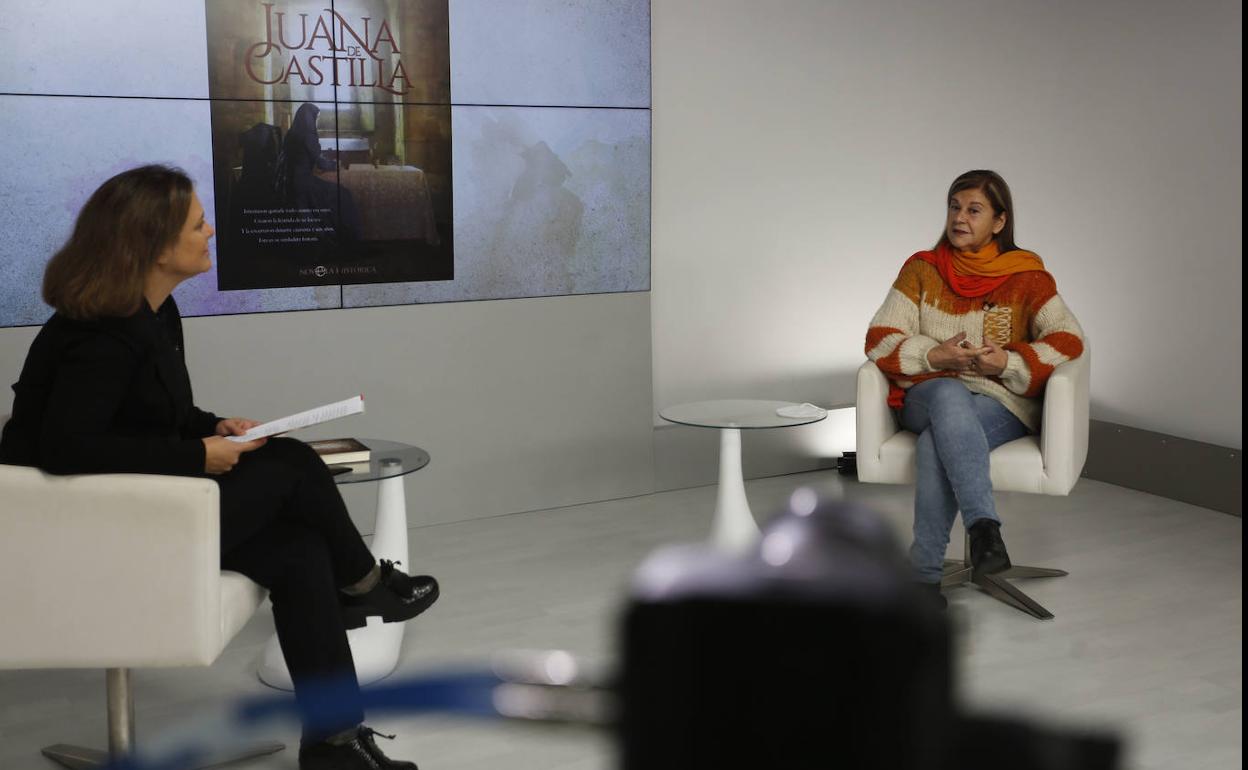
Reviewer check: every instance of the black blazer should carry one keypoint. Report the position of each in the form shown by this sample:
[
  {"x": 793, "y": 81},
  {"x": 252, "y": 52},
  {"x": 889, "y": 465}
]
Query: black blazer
[{"x": 108, "y": 396}]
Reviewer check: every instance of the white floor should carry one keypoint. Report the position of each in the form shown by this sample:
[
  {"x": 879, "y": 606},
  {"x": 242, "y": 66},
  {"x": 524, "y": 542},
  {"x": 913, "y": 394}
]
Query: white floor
[{"x": 1147, "y": 638}]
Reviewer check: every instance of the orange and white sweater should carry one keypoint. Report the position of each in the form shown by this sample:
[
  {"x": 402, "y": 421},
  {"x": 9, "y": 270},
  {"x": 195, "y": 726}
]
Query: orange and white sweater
[{"x": 1025, "y": 315}]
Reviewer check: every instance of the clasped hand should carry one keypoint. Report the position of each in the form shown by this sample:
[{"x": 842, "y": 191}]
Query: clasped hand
[
  {"x": 221, "y": 454},
  {"x": 958, "y": 355}
]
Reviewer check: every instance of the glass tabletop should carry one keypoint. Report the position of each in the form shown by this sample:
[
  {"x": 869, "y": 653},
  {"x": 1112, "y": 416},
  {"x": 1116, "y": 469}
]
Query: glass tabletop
[
  {"x": 387, "y": 459},
  {"x": 735, "y": 413}
]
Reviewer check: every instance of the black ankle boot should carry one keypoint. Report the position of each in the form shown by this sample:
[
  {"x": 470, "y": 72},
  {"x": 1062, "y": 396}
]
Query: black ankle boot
[
  {"x": 360, "y": 753},
  {"x": 988, "y": 554},
  {"x": 396, "y": 597}
]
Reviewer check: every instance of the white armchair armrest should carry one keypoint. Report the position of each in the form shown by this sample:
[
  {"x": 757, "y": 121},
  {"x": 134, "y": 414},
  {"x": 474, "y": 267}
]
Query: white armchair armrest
[
  {"x": 1064, "y": 426},
  {"x": 874, "y": 421},
  {"x": 112, "y": 570}
]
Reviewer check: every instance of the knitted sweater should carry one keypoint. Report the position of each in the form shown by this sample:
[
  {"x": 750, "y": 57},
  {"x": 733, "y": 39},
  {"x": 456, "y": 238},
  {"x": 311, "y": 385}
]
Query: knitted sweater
[{"x": 1025, "y": 315}]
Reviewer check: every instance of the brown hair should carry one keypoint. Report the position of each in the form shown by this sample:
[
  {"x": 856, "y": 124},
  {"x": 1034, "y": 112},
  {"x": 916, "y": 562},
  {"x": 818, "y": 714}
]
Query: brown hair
[
  {"x": 122, "y": 230},
  {"x": 997, "y": 192}
]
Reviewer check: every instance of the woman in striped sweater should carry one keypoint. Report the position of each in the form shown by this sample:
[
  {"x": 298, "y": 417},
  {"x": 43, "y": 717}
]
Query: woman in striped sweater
[{"x": 968, "y": 336}]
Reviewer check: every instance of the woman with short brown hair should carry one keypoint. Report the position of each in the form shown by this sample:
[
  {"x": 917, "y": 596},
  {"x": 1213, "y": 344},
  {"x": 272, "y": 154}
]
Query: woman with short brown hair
[{"x": 105, "y": 389}]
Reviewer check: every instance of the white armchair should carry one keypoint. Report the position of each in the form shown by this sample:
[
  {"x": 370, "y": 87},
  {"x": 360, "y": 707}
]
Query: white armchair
[
  {"x": 1047, "y": 464},
  {"x": 114, "y": 571}
]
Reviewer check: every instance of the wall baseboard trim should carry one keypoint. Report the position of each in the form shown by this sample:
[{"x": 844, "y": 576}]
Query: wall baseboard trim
[{"x": 1207, "y": 475}]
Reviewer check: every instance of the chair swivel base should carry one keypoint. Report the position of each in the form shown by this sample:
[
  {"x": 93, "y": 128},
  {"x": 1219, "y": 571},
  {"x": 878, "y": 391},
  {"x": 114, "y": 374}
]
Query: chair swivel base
[
  {"x": 79, "y": 758},
  {"x": 960, "y": 572}
]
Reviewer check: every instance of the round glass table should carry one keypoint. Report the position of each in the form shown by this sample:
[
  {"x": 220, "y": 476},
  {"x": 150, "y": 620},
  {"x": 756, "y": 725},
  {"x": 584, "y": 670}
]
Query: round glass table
[
  {"x": 734, "y": 527},
  {"x": 387, "y": 459},
  {"x": 374, "y": 647}
]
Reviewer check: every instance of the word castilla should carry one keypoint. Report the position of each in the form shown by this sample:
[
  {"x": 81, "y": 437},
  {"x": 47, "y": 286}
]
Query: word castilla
[{"x": 354, "y": 60}]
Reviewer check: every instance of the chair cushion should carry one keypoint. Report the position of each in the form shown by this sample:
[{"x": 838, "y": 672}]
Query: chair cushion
[
  {"x": 239, "y": 599},
  {"x": 1015, "y": 467},
  {"x": 897, "y": 459},
  {"x": 1018, "y": 466}
]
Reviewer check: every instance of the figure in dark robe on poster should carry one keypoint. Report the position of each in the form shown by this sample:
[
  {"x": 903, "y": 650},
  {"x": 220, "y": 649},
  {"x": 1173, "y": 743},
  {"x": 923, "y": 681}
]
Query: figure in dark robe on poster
[{"x": 303, "y": 189}]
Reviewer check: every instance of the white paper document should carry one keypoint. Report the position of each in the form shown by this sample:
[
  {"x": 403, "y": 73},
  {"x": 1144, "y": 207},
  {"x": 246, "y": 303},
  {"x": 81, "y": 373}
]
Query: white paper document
[{"x": 304, "y": 419}]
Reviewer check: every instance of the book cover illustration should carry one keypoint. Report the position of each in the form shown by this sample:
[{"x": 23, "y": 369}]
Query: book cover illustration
[{"x": 331, "y": 133}]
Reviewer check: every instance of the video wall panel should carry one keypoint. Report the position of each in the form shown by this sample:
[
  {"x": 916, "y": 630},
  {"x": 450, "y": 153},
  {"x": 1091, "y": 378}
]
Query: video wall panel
[
  {"x": 48, "y": 174},
  {"x": 334, "y": 147},
  {"x": 551, "y": 52},
  {"x": 559, "y": 204},
  {"x": 109, "y": 48}
]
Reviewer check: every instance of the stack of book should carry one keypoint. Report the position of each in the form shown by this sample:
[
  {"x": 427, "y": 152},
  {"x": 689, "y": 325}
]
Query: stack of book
[{"x": 342, "y": 452}]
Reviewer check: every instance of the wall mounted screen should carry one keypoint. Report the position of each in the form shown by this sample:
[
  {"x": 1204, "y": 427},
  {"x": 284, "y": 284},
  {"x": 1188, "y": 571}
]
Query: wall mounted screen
[{"x": 352, "y": 153}]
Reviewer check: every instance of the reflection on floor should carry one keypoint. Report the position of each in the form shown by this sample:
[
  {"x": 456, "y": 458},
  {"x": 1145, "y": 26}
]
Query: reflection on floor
[{"x": 1147, "y": 636}]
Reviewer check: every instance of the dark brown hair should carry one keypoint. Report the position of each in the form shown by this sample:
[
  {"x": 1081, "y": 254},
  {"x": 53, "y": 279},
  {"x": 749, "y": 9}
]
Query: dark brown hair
[
  {"x": 124, "y": 227},
  {"x": 997, "y": 192}
]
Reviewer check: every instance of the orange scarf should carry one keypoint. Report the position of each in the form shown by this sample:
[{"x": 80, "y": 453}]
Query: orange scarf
[{"x": 977, "y": 273}]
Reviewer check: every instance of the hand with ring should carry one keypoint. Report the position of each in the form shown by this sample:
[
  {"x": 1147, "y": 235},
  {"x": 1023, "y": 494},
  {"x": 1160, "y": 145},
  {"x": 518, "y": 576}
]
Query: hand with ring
[
  {"x": 954, "y": 354},
  {"x": 992, "y": 362}
]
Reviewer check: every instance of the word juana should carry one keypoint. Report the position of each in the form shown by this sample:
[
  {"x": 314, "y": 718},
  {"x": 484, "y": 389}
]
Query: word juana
[{"x": 346, "y": 55}]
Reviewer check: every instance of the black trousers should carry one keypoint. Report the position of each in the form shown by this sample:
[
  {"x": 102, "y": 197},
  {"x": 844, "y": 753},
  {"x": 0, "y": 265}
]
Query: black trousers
[{"x": 284, "y": 525}]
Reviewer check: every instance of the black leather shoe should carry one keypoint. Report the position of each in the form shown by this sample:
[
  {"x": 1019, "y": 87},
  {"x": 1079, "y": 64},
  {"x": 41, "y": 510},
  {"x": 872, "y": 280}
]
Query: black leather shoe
[
  {"x": 396, "y": 597},
  {"x": 988, "y": 554},
  {"x": 931, "y": 593},
  {"x": 360, "y": 753}
]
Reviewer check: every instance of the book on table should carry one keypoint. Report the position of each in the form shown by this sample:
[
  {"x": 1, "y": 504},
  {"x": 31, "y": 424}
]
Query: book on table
[{"x": 341, "y": 451}]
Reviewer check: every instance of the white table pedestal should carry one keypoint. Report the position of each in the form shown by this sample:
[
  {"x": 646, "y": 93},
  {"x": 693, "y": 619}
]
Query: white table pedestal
[
  {"x": 375, "y": 647},
  {"x": 734, "y": 528}
]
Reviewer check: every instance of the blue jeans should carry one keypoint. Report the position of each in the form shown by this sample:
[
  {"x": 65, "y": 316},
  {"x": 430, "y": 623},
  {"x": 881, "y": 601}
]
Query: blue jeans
[{"x": 957, "y": 429}]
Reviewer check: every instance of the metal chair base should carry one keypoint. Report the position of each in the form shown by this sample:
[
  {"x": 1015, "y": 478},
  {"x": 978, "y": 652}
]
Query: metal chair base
[
  {"x": 75, "y": 757},
  {"x": 959, "y": 573},
  {"x": 120, "y": 699}
]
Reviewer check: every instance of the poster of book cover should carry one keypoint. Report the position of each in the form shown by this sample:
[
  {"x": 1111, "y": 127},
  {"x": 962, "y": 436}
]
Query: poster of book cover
[{"x": 331, "y": 141}]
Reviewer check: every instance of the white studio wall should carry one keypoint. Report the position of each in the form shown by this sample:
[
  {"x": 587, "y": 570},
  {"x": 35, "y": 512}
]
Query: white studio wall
[
  {"x": 802, "y": 150},
  {"x": 522, "y": 405}
]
